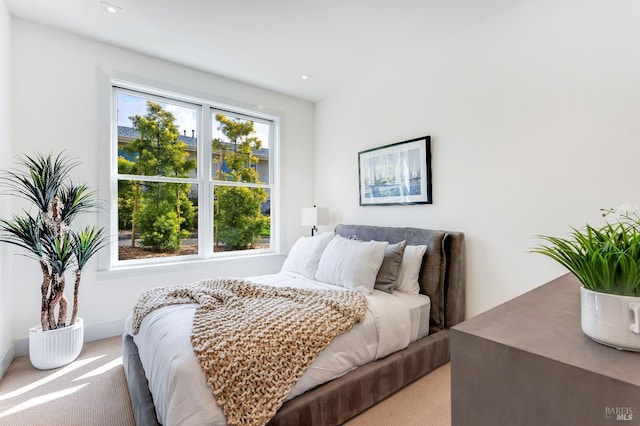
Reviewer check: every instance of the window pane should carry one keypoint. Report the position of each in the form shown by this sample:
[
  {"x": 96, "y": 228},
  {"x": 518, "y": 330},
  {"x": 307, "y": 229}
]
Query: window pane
[
  {"x": 156, "y": 138},
  {"x": 157, "y": 219},
  {"x": 240, "y": 149},
  {"x": 242, "y": 218}
]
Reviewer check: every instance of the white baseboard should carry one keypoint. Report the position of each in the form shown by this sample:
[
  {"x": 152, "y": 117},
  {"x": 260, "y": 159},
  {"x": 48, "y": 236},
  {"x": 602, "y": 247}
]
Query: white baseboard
[
  {"x": 104, "y": 330},
  {"x": 91, "y": 333},
  {"x": 6, "y": 358}
]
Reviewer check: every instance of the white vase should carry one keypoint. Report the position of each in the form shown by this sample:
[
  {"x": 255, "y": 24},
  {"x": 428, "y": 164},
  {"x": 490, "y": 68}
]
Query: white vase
[
  {"x": 55, "y": 348},
  {"x": 611, "y": 319}
]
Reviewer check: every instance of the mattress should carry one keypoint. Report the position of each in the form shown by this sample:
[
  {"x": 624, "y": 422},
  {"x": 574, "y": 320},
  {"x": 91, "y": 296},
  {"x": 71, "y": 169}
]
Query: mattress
[{"x": 180, "y": 393}]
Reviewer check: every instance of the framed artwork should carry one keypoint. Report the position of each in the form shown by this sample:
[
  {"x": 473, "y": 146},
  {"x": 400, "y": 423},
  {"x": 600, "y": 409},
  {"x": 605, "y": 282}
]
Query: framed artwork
[{"x": 394, "y": 174}]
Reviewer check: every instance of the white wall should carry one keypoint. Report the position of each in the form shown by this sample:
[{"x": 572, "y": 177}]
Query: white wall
[
  {"x": 533, "y": 115},
  {"x": 58, "y": 79},
  {"x": 6, "y": 319}
]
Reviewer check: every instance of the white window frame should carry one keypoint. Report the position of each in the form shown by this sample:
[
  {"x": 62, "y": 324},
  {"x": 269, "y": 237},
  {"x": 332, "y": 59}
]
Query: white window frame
[{"x": 207, "y": 106}]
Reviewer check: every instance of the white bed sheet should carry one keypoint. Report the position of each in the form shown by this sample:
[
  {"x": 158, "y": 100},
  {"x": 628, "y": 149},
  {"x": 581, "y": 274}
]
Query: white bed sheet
[{"x": 180, "y": 393}]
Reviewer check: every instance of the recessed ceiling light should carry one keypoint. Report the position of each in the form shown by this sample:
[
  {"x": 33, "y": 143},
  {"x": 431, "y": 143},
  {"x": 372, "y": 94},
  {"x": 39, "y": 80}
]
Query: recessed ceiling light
[
  {"x": 306, "y": 76},
  {"x": 111, "y": 8}
]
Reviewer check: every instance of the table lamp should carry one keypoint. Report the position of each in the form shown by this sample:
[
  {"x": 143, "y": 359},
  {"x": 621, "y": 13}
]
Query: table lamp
[{"x": 314, "y": 217}]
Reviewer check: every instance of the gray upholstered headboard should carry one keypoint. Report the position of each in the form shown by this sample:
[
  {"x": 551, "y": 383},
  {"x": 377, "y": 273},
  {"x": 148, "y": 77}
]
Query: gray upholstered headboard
[{"x": 442, "y": 275}]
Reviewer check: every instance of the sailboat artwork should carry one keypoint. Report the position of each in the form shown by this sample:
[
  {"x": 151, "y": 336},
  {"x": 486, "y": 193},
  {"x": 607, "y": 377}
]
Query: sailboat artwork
[{"x": 399, "y": 173}]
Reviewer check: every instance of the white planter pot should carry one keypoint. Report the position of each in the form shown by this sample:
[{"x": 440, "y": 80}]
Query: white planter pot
[
  {"x": 611, "y": 319},
  {"x": 55, "y": 348}
]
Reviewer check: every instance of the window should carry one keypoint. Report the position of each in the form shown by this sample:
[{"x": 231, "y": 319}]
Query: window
[{"x": 193, "y": 179}]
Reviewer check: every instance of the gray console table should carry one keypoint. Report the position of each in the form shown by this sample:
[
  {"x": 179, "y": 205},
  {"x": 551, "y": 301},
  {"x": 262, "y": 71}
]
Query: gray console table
[{"x": 527, "y": 362}]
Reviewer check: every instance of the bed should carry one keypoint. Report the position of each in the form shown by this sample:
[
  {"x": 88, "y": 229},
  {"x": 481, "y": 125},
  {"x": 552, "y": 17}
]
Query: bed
[{"x": 441, "y": 277}]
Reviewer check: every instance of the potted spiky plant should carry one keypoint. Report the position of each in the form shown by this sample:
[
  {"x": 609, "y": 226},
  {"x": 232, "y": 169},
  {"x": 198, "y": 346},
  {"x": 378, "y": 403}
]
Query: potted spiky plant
[
  {"x": 606, "y": 260},
  {"x": 46, "y": 232}
]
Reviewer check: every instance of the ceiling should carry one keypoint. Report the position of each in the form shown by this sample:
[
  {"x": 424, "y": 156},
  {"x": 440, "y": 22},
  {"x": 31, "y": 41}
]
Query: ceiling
[{"x": 268, "y": 43}]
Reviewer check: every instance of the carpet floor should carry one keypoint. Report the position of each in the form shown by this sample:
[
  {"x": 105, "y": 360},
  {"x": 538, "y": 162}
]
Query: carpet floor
[{"x": 92, "y": 391}]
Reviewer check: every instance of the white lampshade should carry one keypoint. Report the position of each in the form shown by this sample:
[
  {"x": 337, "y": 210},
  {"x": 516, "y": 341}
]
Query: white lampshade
[{"x": 315, "y": 216}]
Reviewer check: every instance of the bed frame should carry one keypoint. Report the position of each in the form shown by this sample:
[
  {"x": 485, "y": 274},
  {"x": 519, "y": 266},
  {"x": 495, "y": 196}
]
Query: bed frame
[{"x": 442, "y": 278}]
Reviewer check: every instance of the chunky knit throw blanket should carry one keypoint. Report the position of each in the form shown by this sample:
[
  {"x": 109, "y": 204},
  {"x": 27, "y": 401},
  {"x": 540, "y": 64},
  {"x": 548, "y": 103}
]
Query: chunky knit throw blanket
[{"x": 254, "y": 342}]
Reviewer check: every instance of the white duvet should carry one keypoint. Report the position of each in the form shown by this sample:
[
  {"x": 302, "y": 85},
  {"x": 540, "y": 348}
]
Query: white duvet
[{"x": 180, "y": 393}]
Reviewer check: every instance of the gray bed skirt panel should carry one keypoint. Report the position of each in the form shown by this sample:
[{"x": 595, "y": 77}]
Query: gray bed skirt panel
[
  {"x": 332, "y": 403},
  {"x": 339, "y": 400},
  {"x": 144, "y": 412}
]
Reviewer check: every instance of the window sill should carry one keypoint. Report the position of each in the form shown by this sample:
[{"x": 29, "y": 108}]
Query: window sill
[{"x": 260, "y": 264}]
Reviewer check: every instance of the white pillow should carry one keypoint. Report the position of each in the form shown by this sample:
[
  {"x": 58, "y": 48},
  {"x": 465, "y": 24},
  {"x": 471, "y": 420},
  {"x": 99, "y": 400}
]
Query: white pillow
[
  {"x": 351, "y": 264},
  {"x": 410, "y": 269},
  {"x": 305, "y": 254}
]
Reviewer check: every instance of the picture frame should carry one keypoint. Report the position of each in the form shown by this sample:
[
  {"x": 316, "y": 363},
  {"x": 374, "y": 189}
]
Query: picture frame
[{"x": 396, "y": 174}]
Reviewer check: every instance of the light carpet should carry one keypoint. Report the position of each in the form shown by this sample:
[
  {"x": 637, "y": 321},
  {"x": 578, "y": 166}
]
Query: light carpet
[{"x": 92, "y": 391}]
